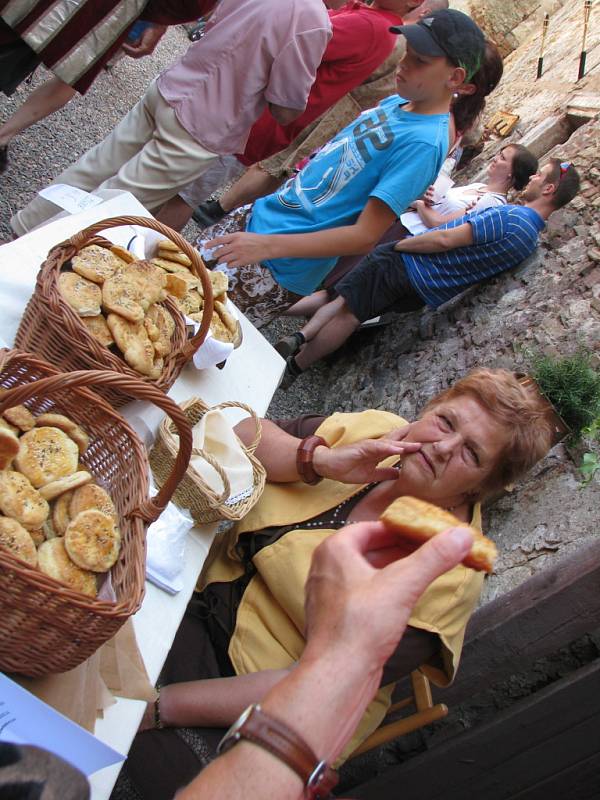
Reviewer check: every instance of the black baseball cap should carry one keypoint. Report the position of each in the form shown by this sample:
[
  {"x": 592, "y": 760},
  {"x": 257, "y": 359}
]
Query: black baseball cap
[{"x": 449, "y": 33}]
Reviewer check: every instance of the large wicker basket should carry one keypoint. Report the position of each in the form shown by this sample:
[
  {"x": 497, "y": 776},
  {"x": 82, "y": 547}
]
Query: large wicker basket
[
  {"x": 193, "y": 492},
  {"x": 46, "y": 627},
  {"x": 52, "y": 329}
]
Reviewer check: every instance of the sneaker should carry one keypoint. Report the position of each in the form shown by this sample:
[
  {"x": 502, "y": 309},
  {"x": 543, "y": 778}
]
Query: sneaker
[
  {"x": 292, "y": 371},
  {"x": 208, "y": 213},
  {"x": 289, "y": 345}
]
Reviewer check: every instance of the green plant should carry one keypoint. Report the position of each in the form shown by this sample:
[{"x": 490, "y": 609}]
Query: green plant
[
  {"x": 590, "y": 466},
  {"x": 572, "y": 385}
]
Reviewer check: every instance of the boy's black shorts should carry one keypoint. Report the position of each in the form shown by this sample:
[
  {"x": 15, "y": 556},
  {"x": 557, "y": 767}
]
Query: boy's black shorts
[{"x": 379, "y": 283}]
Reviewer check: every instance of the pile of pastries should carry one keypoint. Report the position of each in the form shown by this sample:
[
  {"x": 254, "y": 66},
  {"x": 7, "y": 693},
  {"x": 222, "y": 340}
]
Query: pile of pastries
[
  {"x": 188, "y": 294},
  {"x": 118, "y": 299},
  {"x": 52, "y": 515}
]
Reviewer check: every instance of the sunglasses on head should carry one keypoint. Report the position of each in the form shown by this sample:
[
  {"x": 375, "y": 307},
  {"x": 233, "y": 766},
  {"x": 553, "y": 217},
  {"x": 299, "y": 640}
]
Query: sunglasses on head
[{"x": 564, "y": 168}]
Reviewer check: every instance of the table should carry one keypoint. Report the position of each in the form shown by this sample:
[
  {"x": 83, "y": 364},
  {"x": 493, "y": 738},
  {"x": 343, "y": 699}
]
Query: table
[{"x": 250, "y": 375}]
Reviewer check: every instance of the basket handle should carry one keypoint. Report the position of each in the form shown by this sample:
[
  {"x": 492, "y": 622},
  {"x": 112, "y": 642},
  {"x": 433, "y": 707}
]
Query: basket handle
[
  {"x": 152, "y": 508},
  {"x": 258, "y": 424},
  {"x": 217, "y": 500},
  {"x": 80, "y": 239}
]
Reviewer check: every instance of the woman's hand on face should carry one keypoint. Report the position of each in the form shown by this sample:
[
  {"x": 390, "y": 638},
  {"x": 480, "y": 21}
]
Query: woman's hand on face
[
  {"x": 240, "y": 249},
  {"x": 358, "y": 462}
]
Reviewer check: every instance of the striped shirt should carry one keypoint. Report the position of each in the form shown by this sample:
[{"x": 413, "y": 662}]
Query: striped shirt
[{"x": 502, "y": 238}]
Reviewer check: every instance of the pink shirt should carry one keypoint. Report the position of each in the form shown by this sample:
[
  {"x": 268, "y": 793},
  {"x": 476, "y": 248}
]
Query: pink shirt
[{"x": 255, "y": 52}]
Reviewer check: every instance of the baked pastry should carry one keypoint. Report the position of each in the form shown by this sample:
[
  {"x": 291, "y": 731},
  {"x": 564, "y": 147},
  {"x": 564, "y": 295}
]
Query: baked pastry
[
  {"x": 60, "y": 513},
  {"x": 82, "y": 295},
  {"x": 38, "y": 536},
  {"x": 93, "y": 541},
  {"x": 123, "y": 254},
  {"x": 168, "y": 266},
  {"x": 418, "y": 521},
  {"x": 9, "y": 446},
  {"x": 6, "y": 426},
  {"x": 19, "y": 416},
  {"x": 55, "y": 488},
  {"x": 176, "y": 285},
  {"x": 133, "y": 341},
  {"x": 174, "y": 255},
  {"x": 169, "y": 246},
  {"x": 99, "y": 329},
  {"x": 54, "y": 561},
  {"x": 163, "y": 327},
  {"x": 130, "y": 291},
  {"x": 228, "y": 319},
  {"x": 96, "y": 263},
  {"x": 46, "y": 454},
  {"x": 21, "y": 501},
  {"x": 67, "y": 425},
  {"x": 92, "y": 496},
  {"x": 17, "y": 540}
]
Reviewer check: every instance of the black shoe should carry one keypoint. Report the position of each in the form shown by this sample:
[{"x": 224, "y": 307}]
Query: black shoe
[
  {"x": 3, "y": 158},
  {"x": 292, "y": 371},
  {"x": 208, "y": 213},
  {"x": 289, "y": 345}
]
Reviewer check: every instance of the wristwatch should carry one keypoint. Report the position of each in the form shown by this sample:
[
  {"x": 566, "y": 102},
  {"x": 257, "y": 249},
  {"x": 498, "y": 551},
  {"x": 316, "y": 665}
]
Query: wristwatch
[{"x": 271, "y": 734}]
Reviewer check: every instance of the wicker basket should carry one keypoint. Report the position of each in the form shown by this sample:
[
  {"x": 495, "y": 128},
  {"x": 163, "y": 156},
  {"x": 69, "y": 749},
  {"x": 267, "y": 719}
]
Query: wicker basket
[
  {"x": 52, "y": 329},
  {"x": 46, "y": 627},
  {"x": 193, "y": 492}
]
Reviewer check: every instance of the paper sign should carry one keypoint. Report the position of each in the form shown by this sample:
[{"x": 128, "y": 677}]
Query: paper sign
[
  {"x": 70, "y": 198},
  {"x": 26, "y": 720}
]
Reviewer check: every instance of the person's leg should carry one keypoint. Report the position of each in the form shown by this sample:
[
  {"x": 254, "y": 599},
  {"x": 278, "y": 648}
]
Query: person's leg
[
  {"x": 308, "y": 305},
  {"x": 47, "y": 98},
  {"x": 96, "y": 165},
  {"x": 175, "y": 213},
  {"x": 332, "y": 335},
  {"x": 322, "y": 317}
]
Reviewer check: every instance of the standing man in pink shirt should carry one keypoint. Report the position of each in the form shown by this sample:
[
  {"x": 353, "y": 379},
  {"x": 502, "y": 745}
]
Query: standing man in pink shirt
[{"x": 255, "y": 54}]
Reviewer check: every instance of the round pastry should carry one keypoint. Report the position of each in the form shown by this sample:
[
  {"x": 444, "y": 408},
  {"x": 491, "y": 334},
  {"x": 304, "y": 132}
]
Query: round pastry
[
  {"x": 60, "y": 513},
  {"x": 17, "y": 540},
  {"x": 9, "y": 446},
  {"x": 96, "y": 263},
  {"x": 82, "y": 295},
  {"x": 19, "y": 500},
  {"x": 55, "y": 488},
  {"x": 67, "y": 425},
  {"x": 54, "y": 561},
  {"x": 418, "y": 521},
  {"x": 93, "y": 541},
  {"x": 46, "y": 454},
  {"x": 90, "y": 497}
]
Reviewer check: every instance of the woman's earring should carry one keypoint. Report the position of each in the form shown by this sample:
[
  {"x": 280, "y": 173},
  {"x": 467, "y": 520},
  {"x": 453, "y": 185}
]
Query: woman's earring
[{"x": 455, "y": 95}]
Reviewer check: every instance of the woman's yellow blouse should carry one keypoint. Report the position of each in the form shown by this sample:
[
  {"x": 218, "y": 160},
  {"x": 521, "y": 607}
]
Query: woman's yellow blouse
[{"x": 270, "y": 619}]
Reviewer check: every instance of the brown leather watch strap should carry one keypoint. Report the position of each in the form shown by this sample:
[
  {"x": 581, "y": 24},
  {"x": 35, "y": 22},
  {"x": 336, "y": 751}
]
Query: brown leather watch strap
[
  {"x": 285, "y": 744},
  {"x": 304, "y": 459}
]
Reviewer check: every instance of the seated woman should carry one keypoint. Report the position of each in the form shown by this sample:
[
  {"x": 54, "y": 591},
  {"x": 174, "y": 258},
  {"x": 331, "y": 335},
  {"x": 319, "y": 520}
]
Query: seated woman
[{"x": 247, "y": 619}]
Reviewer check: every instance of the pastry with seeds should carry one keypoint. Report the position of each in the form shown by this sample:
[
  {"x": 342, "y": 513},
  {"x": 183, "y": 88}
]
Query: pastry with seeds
[
  {"x": 92, "y": 496},
  {"x": 174, "y": 255},
  {"x": 54, "y": 561},
  {"x": 19, "y": 416},
  {"x": 67, "y": 425},
  {"x": 98, "y": 328},
  {"x": 17, "y": 540},
  {"x": 130, "y": 291},
  {"x": 55, "y": 488},
  {"x": 60, "y": 513},
  {"x": 96, "y": 263},
  {"x": 21, "y": 501},
  {"x": 133, "y": 341},
  {"x": 93, "y": 541},
  {"x": 164, "y": 324},
  {"x": 168, "y": 266},
  {"x": 46, "y": 454},
  {"x": 82, "y": 295}
]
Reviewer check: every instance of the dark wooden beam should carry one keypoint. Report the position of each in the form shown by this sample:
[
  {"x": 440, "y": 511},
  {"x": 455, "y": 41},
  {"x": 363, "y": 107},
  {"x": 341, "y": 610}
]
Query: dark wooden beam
[{"x": 538, "y": 749}]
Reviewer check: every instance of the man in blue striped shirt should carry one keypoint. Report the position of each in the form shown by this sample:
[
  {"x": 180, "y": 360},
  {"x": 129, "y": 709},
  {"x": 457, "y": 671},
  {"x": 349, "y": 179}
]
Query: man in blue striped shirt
[{"x": 432, "y": 268}]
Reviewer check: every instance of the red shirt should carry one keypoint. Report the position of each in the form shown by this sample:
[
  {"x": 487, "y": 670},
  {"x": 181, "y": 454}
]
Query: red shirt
[{"x": 361, "y": 41}]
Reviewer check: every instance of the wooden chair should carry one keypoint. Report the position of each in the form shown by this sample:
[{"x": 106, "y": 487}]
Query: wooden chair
[{"x": 425, "y": 713}]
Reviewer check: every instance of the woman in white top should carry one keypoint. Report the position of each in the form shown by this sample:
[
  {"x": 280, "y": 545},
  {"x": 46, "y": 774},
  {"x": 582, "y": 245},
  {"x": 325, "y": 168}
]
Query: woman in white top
[{"x": 511, "y": 168}]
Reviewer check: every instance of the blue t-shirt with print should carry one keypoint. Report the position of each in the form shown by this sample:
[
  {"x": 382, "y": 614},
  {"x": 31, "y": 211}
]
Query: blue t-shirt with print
[
  {"x": 502, "y": 238},
  {"x": 386, "y": 152}
]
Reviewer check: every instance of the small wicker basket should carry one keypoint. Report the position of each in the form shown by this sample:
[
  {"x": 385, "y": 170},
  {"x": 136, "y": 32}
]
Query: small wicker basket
[
  {"x": 193, "y": 492},
  {"x": 52, "y": 329},
  {"x": 45, "y": 626}
]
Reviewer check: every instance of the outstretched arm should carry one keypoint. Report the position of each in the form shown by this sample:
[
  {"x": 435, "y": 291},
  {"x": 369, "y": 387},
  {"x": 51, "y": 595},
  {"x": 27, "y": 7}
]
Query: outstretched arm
[
  {"x": 437, "y": 241},
  {"x": 239, "y": 249},
  {"x": 433, "y": 218},
  {"x": 353, "y": 463}
]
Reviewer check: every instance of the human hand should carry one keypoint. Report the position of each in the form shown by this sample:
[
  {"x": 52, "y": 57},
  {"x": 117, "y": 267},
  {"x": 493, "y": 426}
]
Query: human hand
[
  {"x": 357, "y": 463},
  {"x": 240, "y": 249},
  {"x": 146, "y": 43},
  {"x": 362, "y": 587}
]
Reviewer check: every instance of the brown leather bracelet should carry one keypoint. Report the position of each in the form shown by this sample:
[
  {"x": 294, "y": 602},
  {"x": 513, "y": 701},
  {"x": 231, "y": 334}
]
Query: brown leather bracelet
[
  {"x": 285, "y": 744},
  {"x": 304, "y": 459}
]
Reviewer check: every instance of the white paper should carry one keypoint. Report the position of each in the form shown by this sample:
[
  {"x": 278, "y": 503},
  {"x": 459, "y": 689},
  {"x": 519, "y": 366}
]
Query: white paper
[
  {"x": 165, "y": 547},
  {"x": 70, "y": 198},
  {"x": 26, "y": 720}
]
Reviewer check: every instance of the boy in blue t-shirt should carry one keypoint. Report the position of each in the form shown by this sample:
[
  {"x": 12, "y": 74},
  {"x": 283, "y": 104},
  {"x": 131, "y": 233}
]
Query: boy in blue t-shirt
[{"x": 343, "y": 201}]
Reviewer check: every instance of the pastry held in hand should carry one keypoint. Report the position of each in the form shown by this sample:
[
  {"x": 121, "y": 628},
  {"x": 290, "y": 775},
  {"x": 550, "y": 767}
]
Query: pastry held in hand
[{"x": 419, "y": 521}]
